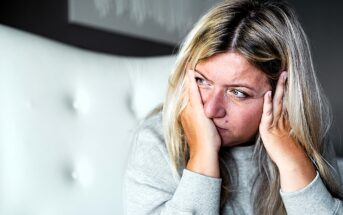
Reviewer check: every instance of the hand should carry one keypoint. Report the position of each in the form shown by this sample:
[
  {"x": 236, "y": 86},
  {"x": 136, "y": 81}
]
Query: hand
[
  {"x": 201, "y": 134},
  {"x": 289, "y": 156}
]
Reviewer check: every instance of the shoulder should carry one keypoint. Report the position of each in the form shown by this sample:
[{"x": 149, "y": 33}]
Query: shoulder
[
  {"x": 151, "y": 126},
  {"x": 149, "y": 134},
  {"x": 149, "y": 150},
  {"x": 149, "y": 161}
]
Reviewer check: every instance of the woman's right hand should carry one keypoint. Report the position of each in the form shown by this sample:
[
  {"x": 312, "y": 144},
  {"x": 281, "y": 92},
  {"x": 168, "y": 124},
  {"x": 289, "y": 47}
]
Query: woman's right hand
[{"x": 201, "y": 134}]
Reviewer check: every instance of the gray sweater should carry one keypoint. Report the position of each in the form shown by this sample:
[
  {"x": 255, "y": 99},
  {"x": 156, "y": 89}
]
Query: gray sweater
[{"x": 151, "y": 187}]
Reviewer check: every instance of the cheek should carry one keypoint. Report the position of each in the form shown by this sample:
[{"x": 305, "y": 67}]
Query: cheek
[
  {"x": 204, "y": 93},
  {"x": 246, "y": 118}
]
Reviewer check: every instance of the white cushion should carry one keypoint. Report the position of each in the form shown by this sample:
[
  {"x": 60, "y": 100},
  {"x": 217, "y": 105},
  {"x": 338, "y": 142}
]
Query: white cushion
[
  {"x": 65, "y": 125},
  {"x": 149, "y": 83}
]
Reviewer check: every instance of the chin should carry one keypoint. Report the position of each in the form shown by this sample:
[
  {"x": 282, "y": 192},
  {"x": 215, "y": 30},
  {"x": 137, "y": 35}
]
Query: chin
[{"x": 228, "y": 142}]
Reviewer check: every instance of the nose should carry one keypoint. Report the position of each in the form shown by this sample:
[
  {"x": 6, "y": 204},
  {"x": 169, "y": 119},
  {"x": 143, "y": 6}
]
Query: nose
[{"x": 214, "y": 106}]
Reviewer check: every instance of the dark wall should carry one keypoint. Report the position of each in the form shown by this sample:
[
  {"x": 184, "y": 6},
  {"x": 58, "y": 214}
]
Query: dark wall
[
  {"x": 50, "y": 19},
  {"x": 323, "y": 24}
]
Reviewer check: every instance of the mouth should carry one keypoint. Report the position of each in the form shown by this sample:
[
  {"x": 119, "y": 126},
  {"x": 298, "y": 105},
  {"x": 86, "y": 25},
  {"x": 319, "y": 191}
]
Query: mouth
[{"x": 219, "y": 129}]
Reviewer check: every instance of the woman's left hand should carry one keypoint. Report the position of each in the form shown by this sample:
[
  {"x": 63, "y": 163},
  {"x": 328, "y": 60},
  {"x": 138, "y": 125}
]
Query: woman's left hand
[{"x": 289, "y": 156}]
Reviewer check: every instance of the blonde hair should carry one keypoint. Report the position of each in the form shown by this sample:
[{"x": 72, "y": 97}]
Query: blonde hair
[{"x": 268, "y": 34}]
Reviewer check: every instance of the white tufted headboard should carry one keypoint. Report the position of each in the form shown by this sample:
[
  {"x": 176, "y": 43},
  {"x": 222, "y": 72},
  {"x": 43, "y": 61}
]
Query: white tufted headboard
[{"x": 67, "y": 116}]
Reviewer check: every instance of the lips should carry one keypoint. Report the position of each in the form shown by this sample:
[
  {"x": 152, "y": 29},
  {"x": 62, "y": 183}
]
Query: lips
[{"x": 220, "y": 129}]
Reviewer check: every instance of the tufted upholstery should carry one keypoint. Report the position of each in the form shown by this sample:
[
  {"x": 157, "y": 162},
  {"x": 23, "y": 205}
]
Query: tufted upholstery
[
  {"x": 66, "y": 119},
  {"x": 67, "y": 116}
]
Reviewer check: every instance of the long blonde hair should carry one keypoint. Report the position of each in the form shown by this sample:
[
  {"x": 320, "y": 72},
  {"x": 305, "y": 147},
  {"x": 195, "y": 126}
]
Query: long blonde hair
[{"x": 268, "y": 34}]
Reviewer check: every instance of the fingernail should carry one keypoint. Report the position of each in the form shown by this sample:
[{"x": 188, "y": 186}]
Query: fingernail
[
  {"x": 285, "y": 76},
  {"x": 269, "y": 94}
]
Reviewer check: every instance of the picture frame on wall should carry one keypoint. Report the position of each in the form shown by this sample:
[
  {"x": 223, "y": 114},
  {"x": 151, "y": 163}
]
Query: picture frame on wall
[{"x": 166, "y": 21}]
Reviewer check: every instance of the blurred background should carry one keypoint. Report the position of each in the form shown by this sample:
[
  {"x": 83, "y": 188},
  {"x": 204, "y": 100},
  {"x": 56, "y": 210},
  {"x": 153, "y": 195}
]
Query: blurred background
[
  {"x": 67, "y": 21},
  {"x": 131, "y": 28},
  {"x": 91, "y": 24},
  {"x": 115, "y": 37}
]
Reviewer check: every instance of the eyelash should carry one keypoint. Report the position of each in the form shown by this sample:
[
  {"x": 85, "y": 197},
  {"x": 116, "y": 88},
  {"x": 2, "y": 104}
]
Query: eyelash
[
  {"x": 244, "y": 95},
  {"x": 197, "y": 79},
  {"x": 234, "y": 91}
]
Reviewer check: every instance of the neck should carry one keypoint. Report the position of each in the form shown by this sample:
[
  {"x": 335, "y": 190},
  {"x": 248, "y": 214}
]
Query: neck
[{"x": 249, "y": 143}]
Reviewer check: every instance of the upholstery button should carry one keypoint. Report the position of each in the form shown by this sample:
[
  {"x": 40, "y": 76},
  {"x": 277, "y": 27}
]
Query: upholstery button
[
  {"x": 74, "y": 175},
  {"x": 76, "y": 105},
  {"x": 81, "y": 172},
  {"x": 80, "y": 103}
]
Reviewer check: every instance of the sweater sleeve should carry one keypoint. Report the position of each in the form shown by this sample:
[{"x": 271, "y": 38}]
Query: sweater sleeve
[
  {"x": 151, "y": 187},
  {"x": 315, "y": 199},
  {"x": 312, "y": 199}
]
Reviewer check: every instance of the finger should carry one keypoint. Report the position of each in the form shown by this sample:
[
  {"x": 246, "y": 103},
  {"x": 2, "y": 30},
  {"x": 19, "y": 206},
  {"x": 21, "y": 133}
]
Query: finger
[
  {"x": 285, "y": 121},
  {"x": 278, "y": 97},
  {"x": 194, "y": 95},
  {"x": 267, "y": 115}
]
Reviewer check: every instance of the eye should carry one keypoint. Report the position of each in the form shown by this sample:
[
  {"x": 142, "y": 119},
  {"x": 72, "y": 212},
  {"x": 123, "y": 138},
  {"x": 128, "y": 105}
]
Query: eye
[
  {"x": 238, "y": 93},
  {"x": 201, "y": 81}
]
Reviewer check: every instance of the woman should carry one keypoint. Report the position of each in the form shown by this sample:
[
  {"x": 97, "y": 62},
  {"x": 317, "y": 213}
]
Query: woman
[{"x": 244, "y": 126}]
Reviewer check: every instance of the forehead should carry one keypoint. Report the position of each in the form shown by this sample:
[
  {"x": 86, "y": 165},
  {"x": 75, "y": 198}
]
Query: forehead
[{"x": 231, "y": 68}]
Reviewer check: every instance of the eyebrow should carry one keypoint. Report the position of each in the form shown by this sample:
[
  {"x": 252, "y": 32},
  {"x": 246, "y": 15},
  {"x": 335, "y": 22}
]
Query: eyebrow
[
  {"x": 202, "y": 74},
  {"x": 231, "y": 85}
]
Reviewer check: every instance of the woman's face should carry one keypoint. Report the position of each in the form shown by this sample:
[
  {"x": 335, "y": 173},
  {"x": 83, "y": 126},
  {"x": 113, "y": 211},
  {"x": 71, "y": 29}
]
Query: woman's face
[{"x": 232, "y": 92}]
